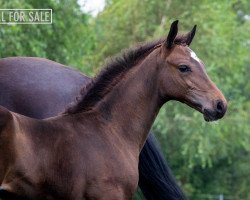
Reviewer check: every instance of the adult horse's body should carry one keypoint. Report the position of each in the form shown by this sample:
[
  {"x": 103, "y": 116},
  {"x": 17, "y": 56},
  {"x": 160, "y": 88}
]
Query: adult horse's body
[
  {"x": 37, "y": 87},
  {"x": 92, "y": 151},
  {"x": 40, "y": 88}
]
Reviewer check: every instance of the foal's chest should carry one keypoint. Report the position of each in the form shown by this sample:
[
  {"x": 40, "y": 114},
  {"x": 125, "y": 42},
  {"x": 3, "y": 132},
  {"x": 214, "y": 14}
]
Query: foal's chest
[
  {"x": 112, "y": 184},
  {"x": 114, "y": 176}
]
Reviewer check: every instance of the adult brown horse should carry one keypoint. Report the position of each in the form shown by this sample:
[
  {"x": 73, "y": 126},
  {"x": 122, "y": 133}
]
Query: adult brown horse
[{"x": 92, "y": 150}]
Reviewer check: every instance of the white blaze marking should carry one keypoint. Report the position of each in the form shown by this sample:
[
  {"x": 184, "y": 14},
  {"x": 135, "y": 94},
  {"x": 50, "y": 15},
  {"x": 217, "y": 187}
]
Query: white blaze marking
[{"x": 194, "y": 56}]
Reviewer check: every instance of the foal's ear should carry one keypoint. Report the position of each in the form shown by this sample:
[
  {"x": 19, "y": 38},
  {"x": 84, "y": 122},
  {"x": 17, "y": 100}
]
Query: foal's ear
[
  {"x": 191, "y": 35},
  {"x": 172, "y": 34}
]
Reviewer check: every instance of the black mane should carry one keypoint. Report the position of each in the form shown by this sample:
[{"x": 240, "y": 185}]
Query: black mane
[{"x": 109, "y": 76}]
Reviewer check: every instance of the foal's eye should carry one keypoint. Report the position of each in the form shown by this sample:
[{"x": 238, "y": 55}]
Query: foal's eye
[{"x": 184, "y": 68}]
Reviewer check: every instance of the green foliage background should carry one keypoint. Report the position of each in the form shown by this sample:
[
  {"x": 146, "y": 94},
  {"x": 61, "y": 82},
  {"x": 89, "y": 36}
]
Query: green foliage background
[{"x": 207, "y": 158}]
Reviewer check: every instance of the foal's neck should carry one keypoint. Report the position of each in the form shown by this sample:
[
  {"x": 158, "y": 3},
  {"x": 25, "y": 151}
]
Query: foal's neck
[{"x": 132, "y": 105}]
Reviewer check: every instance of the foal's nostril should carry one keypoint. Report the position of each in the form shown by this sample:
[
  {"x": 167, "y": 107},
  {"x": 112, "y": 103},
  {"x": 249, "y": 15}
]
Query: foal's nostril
[{"x": 220, "y": 107}]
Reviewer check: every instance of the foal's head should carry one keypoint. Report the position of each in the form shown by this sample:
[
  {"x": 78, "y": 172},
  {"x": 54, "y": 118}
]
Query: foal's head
[{"x": 183, "y": 76}]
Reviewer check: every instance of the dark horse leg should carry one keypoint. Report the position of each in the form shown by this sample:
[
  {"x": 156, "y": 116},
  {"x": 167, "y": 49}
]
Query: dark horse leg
[
  {"x": 5, "y": 195},
  {"x": 156, "y": 180}
]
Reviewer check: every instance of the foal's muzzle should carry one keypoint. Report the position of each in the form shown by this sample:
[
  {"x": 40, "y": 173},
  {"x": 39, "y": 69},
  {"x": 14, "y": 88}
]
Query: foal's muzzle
[{"x": 217, "y": 112}]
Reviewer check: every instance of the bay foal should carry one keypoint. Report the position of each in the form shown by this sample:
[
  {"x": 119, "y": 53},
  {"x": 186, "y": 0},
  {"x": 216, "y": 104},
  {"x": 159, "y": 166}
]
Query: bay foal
[
  {"x": 92, "y": 150},
  {"x": 41, "y": 88}
]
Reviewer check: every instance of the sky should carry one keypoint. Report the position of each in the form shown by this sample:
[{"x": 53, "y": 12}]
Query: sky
[{"x": 92, "y": 6}]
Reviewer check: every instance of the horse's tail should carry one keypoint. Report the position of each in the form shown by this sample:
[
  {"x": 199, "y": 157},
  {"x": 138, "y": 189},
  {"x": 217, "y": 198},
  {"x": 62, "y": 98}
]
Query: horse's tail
[{"x": 155, "y": 177}]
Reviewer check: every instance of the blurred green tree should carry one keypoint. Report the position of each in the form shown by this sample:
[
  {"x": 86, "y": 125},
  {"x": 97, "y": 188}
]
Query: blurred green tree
[{"x": 63, "y": 41}]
